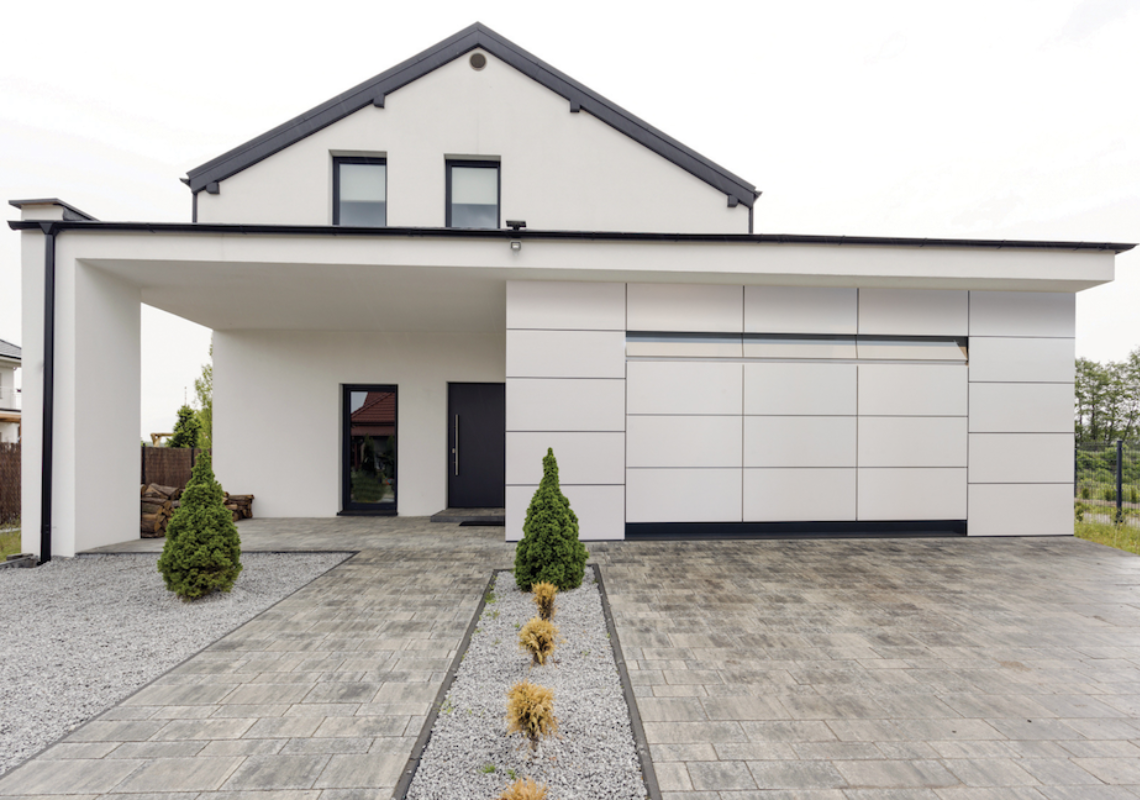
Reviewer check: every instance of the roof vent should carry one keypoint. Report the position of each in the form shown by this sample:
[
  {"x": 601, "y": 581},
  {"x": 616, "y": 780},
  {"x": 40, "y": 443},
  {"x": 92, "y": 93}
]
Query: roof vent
[{"x": 478, "y": 61}]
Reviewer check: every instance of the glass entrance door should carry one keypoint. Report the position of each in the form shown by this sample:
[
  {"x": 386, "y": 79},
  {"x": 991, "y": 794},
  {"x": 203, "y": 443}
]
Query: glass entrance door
[{"x": 369, "y": 464}]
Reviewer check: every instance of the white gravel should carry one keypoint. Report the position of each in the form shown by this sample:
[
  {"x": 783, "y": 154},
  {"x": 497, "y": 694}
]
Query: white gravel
[
  {"x": 82, "y": 634},
  {"x": 470, "y": 754}
]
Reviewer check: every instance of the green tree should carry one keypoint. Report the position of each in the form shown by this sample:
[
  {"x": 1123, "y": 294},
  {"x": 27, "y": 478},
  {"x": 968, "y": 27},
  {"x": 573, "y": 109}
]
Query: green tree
[
  {"x": 204, "y": 389},
  {"x": 186, "y": 429},
  {"x": 202, "y": 553},
  {"x": 549, "y": 550},
  {"x": 1107, "y": 400}
]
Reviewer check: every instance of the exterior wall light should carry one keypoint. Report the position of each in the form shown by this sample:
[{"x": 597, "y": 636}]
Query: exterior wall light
[{"x": 516, "y": 245}]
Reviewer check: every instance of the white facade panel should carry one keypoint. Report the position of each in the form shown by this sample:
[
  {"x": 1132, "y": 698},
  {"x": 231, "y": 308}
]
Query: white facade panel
[
  {"x": 557, "y": 404},
  {"x": 565, "y": 354},
  {"x": 683, "y": 495},
  {"x": 684, "y": 346},
  {"x": 773, "y": 347},
  {"x": 594, "y": 458},
  {"x": 903, "y": 390},
  {"x": 1040, "y": 509},
  {"x": 799, "y": 441},
  {"x": 1023, "y": 314},
  {"x": 685, "y": 441},
  {"x": 1013, "y": 360},
  {"x": 799, "y": 495},
  {"x": 912, "y": 442},
  {"x": 795, "y": 389},
  {"x": 1021, "y": 408},
  {"x": 1021, "y": 458},
  {"x": 684, "y": 387},
  {"x": 686, "y": 307},
  {"x": 800, "y": 309},
  {"x": 912, "y": 350},
  {"x": 913, "y": 312},
  {"x": 600, "y": 510},
  {"x": 566, "y": 305},
  {"x": 912, "y": 494}
]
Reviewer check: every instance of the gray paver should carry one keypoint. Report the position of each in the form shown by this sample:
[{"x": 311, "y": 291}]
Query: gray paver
[{"x": 814, "y": 670}]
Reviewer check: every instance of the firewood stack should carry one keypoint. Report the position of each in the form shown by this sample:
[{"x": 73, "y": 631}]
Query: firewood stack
[
  {"x": 241, "y": 505},
  {"x": 157, "y": 504}
]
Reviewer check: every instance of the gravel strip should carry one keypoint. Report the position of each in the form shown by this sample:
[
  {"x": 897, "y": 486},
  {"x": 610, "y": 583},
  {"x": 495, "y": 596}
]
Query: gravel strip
[
  {"x": 82, "y": 634},
  {"x": 592, "y": 756}
]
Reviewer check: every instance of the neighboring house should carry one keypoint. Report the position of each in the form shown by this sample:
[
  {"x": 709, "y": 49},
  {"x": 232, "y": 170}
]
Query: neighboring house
[
  {"x": 692, "y": 376},
  {"x": 9, "y": 396}
]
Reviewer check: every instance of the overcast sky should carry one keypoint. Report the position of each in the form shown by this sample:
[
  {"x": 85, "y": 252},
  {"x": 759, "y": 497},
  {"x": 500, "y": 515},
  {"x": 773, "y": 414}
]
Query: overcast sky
[{"x": 999, "y": 119}]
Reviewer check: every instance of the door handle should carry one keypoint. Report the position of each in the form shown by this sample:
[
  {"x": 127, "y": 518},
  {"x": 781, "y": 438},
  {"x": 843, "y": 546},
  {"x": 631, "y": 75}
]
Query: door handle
[{"x": 455, "y": 449}]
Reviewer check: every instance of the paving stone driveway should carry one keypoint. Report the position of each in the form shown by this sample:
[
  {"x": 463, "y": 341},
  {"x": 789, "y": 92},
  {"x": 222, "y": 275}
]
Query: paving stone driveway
[{"x": 999, "y": 668}]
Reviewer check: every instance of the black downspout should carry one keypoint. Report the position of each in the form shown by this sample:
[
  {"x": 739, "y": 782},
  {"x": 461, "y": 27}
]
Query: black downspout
[{"x": 49, "y": 391}]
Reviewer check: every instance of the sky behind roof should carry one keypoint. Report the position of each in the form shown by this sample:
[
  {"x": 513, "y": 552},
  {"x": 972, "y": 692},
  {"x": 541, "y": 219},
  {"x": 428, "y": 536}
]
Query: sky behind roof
[{"x": 1007, "y": 119}]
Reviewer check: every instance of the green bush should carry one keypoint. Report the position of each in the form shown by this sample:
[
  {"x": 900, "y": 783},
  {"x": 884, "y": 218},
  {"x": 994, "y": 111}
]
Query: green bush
[
  {"x": 202, "y": 553},
  {"x": 1085, "y": 493},
  {"x": 549, "y": 550},
  {"x": 1109, "y": 495},
  {"x": 1133, "y": 495},
  {"x": 186, "y": 429}
]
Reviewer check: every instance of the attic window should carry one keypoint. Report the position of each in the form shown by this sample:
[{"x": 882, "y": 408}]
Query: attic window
[
  {"x": 478, "y": 61},
  {"x": 472, "y": 194},
  {"x": 360, "y": 191}
]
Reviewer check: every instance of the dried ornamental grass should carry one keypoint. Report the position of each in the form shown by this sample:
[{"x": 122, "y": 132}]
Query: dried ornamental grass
[
  {"x": 524, "y": 789},
  {"x": 530, "y": 710},
  {"x": 544, "y": 598},
  {"x": 537, "y": 638}
]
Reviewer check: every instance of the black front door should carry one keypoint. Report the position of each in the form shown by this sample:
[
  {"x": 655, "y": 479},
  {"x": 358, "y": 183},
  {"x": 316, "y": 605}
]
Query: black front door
[{"x": 476, "y": 445}]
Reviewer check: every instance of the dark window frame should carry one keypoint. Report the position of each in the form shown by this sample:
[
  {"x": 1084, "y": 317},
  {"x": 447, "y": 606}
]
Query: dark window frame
[
  {"x": 468, "y": 162},
  {"x": 337, "y": 161},
  {"x": 347, "y": 505}
]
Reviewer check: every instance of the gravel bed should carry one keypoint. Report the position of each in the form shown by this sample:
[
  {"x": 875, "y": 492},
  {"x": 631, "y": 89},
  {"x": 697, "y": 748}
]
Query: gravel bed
[
  {"x": 82, "y": 634},
  {"x": 592, "y": 756}
]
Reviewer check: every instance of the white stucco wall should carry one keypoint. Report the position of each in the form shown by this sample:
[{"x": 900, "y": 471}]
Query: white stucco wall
[
  {"x": 97, "y": 404},
  {"x": 559, "y": 170},
  {"x": 277, "y": 411}
]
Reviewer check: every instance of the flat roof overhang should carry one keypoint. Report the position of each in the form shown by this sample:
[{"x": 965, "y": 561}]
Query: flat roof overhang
[{"x": 230, "y": 277}]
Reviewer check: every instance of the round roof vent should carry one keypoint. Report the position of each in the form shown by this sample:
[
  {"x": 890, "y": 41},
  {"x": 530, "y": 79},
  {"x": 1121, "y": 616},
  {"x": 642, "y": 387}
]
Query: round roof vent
[{"x": 478, "y": 61}]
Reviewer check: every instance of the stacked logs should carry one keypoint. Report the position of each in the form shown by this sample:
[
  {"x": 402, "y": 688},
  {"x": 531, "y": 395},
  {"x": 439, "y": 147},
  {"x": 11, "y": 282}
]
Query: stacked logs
[
  {"x": 241, "y": 505},
  {"x": 157, "y": 504}
]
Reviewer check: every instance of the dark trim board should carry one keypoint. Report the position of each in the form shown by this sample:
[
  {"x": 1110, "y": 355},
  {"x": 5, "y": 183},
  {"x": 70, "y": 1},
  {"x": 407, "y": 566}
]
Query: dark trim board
[
  {"x": 664, "y": 531},
  {"x": 539, "y": 235}
]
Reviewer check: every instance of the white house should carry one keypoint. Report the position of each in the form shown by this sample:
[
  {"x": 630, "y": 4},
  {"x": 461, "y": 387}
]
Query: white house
[
  {"x": 9, "y": 396},
  {"x": 694, "y": 377}
]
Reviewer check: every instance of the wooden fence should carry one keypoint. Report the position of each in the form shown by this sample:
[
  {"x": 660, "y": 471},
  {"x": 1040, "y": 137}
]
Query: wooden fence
[
  {"x": 168, "y": 466},
  {"x": 9, "y": 482}
]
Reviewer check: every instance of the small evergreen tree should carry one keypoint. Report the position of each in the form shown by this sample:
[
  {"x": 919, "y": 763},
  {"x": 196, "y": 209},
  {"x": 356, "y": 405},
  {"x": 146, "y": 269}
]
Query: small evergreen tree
[
  {"x": 202, "y": 551},
  {"x": 549, "y": 550},
  {"x": 186, "y": 428}
]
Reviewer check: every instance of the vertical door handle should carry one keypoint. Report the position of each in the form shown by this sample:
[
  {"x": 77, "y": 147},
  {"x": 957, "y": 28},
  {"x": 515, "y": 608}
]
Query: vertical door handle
[{"x": 455, "y": 449}]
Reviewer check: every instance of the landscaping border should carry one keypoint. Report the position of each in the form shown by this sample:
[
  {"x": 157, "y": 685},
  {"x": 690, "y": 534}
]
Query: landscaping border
[{"x": 648, "y": 775}]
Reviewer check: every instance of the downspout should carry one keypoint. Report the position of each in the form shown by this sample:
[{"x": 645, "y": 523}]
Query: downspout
[{"x": 49, "y": 391}]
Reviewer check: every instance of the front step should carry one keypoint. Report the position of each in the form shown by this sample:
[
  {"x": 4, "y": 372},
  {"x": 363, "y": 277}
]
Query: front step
[{"x": 476, "y": 516}]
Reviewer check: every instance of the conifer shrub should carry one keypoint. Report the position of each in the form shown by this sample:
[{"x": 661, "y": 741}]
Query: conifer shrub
[
  {"x": 202, "y": 553},
  {"x": 524, "y": 789},
  {"x": 544, "y": 598},
  {"x": 530, "y": 711},
  {"x": 537, "y": 638},
  {"x": 549, "y": 551}
]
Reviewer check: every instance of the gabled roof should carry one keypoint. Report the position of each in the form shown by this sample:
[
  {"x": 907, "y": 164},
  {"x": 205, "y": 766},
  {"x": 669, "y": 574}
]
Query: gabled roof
[
  {"x": 9, "y": 350},
  {"x": 373, "y": 92}
]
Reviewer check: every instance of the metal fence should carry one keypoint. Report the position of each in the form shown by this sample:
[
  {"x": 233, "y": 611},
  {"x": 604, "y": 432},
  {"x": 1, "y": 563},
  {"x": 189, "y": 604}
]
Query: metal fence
[
  {"x": 168, "y": 466},
  {"x": 9, "y": 483},
  {"x": 1107, "y": 478}
]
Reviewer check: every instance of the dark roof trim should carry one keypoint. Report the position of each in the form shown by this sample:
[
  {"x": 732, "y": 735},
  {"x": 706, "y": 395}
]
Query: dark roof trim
[
  {"x": 530, "y": 233},
  {"x": 374, "y": 90},
  {"x": 70, "y": 212},
  {"x": 10, "y": 351}
]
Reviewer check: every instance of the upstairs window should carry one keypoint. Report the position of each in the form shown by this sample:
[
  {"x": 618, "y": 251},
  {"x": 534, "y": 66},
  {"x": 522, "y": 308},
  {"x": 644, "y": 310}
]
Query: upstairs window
[
  {"x": 360, "y": 191},
  {"x": 472, "y": 194}
]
